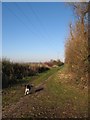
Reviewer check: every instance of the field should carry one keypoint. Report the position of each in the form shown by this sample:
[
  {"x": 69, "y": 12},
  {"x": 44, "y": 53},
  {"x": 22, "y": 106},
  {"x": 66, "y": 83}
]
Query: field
[{"x": 57, "y": 98}]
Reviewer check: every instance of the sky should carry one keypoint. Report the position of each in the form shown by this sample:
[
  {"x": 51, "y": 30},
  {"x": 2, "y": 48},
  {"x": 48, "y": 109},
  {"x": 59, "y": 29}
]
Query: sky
[{"x": 35, "y": 31}]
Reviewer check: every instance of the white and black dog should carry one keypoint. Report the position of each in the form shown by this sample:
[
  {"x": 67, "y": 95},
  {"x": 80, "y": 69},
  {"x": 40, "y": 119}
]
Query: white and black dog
[{"x": 28, "y": 89}]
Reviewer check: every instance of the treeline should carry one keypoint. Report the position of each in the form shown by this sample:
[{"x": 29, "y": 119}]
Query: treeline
[
  {"x": 13, "y": 72},
  {"x": 76, "y": 47},
  {"x": 54, "y": 63}
]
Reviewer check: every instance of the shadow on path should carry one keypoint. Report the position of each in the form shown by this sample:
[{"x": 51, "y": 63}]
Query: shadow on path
[{"x": 39, "y": 89}]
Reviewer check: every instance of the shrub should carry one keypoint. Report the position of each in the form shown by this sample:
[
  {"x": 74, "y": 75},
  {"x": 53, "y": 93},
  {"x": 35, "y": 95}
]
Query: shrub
[{"x": 13, "y": 72}]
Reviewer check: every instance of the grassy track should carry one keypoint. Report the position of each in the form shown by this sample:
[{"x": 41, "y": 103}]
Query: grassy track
[
  {"x": 14, "y": 93},
  {"x": 57, "y": 100}
]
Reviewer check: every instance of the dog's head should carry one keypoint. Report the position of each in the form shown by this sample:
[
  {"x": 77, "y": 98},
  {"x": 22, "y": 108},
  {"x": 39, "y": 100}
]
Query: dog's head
[{"x": 28, "y": 86}]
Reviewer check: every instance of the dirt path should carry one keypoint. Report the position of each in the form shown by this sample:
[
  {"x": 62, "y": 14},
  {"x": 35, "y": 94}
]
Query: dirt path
[
  {"x": 57, "y": 99},
  {"x": 26, "y": 103},
  {"x": 17, "y": 109}
]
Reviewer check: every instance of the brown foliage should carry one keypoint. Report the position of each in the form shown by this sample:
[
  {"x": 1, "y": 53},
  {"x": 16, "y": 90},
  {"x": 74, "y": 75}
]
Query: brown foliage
[
  {"x": 13, "y": 73},
  {"x": 76, "y": 47}
]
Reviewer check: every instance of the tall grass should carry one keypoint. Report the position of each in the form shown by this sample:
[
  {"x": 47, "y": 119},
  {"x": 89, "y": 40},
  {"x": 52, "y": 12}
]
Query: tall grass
[{"x": 13, "y": 72}]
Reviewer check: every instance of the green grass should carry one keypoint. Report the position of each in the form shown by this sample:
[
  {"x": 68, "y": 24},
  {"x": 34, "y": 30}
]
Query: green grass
[
  {"x": 14, "y": 93},
  {"x": 63, "y": 97},
  {"x": 62, "y": 94},
  {"x": 44, "y": 76}
]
